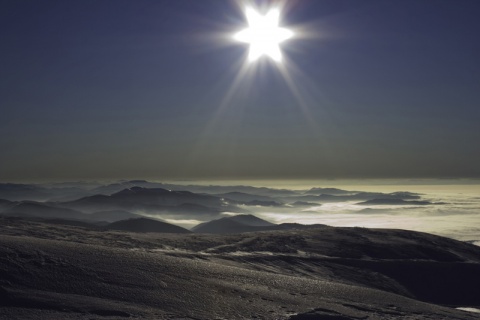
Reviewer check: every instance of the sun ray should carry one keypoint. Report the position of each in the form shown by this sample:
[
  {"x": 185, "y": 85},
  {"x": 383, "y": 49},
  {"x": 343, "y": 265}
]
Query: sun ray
[{"x": 263, "y": 42}]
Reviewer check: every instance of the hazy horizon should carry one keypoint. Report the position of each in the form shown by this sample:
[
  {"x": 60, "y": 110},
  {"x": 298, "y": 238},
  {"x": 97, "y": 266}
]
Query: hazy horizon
[{"x": 366, "y": 184}]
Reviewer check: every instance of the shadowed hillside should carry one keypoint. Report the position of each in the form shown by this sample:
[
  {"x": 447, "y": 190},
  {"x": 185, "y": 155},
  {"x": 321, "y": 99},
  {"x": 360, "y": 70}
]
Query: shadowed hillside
[
  {"x": 244, "y": 223},
  {"x": 146, "y": 225}
]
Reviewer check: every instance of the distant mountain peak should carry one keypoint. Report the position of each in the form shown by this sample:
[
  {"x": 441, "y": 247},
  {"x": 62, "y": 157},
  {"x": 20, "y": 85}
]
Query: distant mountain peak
[{"x": 141, "y": 190}]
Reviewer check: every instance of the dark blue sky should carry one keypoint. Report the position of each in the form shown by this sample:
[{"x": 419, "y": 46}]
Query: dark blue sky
[{"x": 145, "y": 89}]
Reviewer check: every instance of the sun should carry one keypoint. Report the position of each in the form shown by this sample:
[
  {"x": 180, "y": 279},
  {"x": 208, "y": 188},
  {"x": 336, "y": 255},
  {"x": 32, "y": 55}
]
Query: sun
[{"x": 263, "y": 34}]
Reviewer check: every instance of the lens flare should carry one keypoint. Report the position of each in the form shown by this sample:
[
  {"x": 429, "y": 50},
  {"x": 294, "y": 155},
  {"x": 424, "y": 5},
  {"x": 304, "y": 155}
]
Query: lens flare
[{"x": 263, "y": 34}]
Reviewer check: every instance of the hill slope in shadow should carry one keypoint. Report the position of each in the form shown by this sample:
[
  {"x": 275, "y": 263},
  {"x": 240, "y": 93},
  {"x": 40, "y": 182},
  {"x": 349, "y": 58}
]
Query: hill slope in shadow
[
  {"x": 145, "y": 225},
  {"x": 244, "y": 223}
]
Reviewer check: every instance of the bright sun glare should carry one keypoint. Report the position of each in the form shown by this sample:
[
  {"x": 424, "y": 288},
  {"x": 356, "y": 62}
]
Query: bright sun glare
[{"x": 263, "y": 34}]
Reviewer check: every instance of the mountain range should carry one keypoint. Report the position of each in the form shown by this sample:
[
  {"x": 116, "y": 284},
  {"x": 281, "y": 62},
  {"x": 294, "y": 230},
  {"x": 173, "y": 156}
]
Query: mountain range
[{"x": 102, "y": 204}]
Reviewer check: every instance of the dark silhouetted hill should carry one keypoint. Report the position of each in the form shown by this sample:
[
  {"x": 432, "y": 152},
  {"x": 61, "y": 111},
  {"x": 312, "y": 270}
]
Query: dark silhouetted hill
[
  {"x": 234, "y": 224},
  {"x": 154, "y": 201},
  {"x": 245, "y": 223},
  {"x": 164, "y": 197},
  {"x": 112, "y": 216},
  {"x": 122, "y": 185},
  {"x": 146, "y": 225},
  {"x": 251, "y": 220}
]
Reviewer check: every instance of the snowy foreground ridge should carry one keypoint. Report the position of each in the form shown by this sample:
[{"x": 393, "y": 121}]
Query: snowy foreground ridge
[{"x": 57, "y": 271}]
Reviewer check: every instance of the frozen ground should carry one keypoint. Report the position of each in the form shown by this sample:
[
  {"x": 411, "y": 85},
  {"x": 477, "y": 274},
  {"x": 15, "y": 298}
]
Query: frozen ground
[{"x": 66, "y": 272}]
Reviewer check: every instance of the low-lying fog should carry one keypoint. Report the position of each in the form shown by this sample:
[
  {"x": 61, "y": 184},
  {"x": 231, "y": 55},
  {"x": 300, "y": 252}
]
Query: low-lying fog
[
  {"x": 442, "y": 207},
  {"x": 454, "y": 212}
]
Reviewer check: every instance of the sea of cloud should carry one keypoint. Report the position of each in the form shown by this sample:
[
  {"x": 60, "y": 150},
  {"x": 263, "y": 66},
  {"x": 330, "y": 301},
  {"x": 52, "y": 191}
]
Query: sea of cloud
[{"x": 454, "y": 212}]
